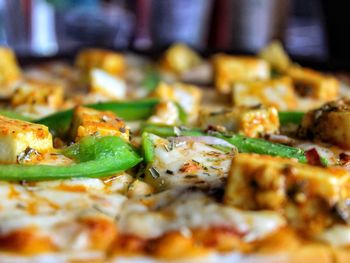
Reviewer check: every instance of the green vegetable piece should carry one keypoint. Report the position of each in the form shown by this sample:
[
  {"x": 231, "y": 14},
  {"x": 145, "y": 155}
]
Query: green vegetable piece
[
  {"x": 259, "y": 146},
  {"x": 96, "y": 157},
  {"x": 151, "y": 80},
  {"x": 243, "y": 144},
  {"x": 294, "y": 117},
  {"x": 147, "y": 147},
  {"x": 14, "y": 115},
  {"x": 59, "y": 122}
]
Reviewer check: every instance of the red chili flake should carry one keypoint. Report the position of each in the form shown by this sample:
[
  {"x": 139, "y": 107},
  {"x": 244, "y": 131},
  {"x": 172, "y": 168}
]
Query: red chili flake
[
  {"x": 313, "y": 157},
  {"x": 344, "y": 159}
]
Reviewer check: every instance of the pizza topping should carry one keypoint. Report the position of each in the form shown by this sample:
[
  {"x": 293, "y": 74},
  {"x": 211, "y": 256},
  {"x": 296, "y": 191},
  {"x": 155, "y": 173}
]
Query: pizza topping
[
  {"x": 206, "y": 170},
  {"x": 95, "y": 157},
  {"x": 305, "y": 194},
  {"x": 16, "y": 136},
  {"x": 195, "y": 210}
]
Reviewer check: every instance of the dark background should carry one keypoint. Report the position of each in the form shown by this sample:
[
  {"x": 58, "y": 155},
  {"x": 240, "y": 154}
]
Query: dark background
[{"x": 314, "y": 32}]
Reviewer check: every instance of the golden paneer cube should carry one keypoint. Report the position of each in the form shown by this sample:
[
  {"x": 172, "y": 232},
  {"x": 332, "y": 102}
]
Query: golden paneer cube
[
  {"x": 310, "y": 83},
  {"x": 9, "y": 69},
  {"x": 278, "y": 93},
  {"x": 35, "y": 92},
  {"x": 167, "y": 113},
  {"x": 107, "y": 85},
  {"x": 109, "y": 61},
  {"x": 251, "y": 122},
  {"x": 187, "y": 96},
  {"x": 229, "y": 69},
  {"x": 87, "y": 122},
  {"x": 18, "y": 136},
  {"x": 330, "y": 123},
  {"x": 305, "y": 194},
  {"x": 179, "y": 58}
]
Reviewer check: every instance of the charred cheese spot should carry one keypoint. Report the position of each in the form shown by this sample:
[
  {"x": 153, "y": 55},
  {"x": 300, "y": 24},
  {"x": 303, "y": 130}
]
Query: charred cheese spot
[{"x": 26, "y": 241}]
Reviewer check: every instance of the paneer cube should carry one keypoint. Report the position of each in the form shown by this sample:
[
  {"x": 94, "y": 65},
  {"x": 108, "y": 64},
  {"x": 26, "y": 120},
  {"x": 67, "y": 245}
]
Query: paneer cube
[
  {"x": 229, "y": 69},
  {"x": 9, "y": 69},
  {"x": 107, "y": 85},
  {"x": 188, "y": 96},
  {"x": 35, "y": 92},
  {"x": 330, "y": 123},
  {"x": 18, "y": 136},
  {"x": 251, "y": 122},
  {"x": 276, "y": 56},
  {"x": 166, "y": 113},
  {"x": 180, "y": 58},
  {"x": 278, "y": 93},
  {"x": 310, "y": 83},
  {"x": 87, "y": 122},
  {"x": 109, "y": 61},
  {"x": 305, "y": 194}
]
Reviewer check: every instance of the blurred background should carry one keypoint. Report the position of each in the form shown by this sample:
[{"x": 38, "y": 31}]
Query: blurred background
[{"x": 313, "y": 31}]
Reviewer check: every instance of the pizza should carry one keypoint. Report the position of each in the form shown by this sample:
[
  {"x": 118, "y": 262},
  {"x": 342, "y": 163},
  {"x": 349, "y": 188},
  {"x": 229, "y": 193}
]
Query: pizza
[{"x": 119, "y": 158}]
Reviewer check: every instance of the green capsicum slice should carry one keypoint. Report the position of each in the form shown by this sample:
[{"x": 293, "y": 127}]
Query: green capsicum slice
[
  {"x": 243, "y": 144},
  {"x": 59, "y": 122},
  {"x": 294, "y": 117},
  {"x": 14, "y": 115},
  {"x": 95, "y": 157}
]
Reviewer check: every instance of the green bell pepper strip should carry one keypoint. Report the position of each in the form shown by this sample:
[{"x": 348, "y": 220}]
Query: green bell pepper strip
[
  {"x": 95, "y": 156},
  {"x": 294, "y": 117},
  {"x": 243, "y": 144},
  {"x": 151, "y": 80},
  {"x": 14, "y": 115},
  {"x": 147, "y": 147},
  {"x": 59, "y": 122}
]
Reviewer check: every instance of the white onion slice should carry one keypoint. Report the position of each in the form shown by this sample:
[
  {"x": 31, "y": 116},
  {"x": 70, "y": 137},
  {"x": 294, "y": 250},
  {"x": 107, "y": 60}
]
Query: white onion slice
[{"x": 210, "y": 140}]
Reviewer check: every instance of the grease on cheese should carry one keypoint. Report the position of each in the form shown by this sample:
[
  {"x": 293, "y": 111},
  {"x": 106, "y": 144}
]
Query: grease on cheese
[
  {"x": 184, "y": 164},
  {"x": 88, "y": 122},
  {"x": 251, "y": 122},
  {"x": 16, "y": 136},
  {"x": 278, "y": 93},
  {"x": 229, "y": 69}
]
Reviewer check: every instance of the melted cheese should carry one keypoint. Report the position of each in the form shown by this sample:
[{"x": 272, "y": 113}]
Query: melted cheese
[
  {"x": 194, "y": 210},
  {"x": 185, "y": 164}
]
